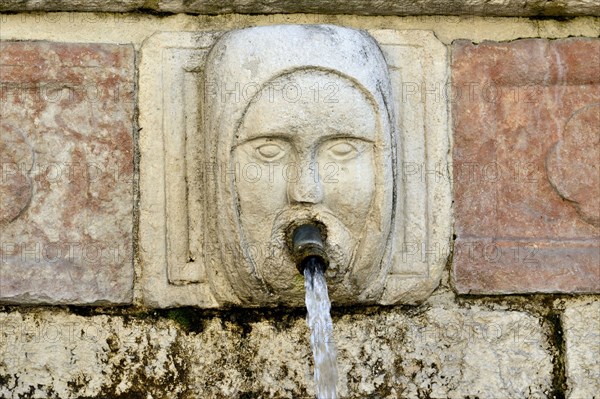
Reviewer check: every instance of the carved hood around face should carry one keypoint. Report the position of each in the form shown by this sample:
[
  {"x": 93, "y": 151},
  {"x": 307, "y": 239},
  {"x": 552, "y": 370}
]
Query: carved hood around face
[{"x": 239, "y": 67}]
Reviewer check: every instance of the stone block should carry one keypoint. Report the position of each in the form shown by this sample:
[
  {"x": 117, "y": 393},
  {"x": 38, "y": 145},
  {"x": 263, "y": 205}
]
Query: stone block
[
  {"x": 54, "y": 354},
  {"x": 581, "y": 327},
  {"x": 66, "y": 192},
  {"x": 444, "y": 351},
  {"x": 358, "y": 7},
  {"x": 74, "y": 5},
  {"x": 526, "y": 166},
  {"x": 385, "y": 7},
  {"x": 197, "y": 249}
]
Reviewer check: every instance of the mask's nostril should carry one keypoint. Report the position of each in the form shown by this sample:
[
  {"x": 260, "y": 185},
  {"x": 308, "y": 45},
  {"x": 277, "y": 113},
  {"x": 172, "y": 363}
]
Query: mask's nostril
[
  {"x": 307, "y": 246},
  {"x": 305, "y": 187}
]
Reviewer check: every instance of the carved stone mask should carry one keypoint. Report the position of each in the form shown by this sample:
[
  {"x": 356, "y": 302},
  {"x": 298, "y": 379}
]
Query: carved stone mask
[{"x": 300, "y": 124}]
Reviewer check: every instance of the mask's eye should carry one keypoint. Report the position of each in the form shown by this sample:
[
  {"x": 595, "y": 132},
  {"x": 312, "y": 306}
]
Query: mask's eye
[
  {"x": 342, "y": 150},
  {"x": 270, "y": 152}
]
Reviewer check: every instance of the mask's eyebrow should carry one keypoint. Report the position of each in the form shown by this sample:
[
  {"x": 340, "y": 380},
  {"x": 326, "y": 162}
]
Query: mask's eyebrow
[
  {"x": 266, "y": 137},
  {"x": 294, "y": 133},
  {"x": 340, "y": 135}
]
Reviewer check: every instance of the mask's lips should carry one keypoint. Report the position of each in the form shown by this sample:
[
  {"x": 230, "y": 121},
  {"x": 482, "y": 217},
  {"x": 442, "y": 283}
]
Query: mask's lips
[{"x": 337, "y": 240}]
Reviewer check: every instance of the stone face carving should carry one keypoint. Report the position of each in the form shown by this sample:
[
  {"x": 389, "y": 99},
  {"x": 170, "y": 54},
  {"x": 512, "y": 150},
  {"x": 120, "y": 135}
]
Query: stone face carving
[
  {"x": 294, "y": 123},
  {"x": 313, "y": 143}
]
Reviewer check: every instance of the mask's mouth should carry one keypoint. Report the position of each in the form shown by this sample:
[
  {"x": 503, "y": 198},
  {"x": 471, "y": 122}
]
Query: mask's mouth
[{"x": 306, "y": 245}]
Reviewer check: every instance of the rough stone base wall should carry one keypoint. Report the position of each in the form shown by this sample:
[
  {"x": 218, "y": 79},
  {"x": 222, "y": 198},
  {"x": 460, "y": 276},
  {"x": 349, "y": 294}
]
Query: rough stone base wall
[
  {"x": 455, "y": 345},
  {"x": 518, "y": 347}
]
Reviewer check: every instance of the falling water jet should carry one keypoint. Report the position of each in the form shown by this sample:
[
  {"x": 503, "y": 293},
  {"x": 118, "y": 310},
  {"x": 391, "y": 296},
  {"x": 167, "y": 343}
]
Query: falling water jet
[
  {"x": 312, "y": 261},
  {"x": 321, "y": 329}
]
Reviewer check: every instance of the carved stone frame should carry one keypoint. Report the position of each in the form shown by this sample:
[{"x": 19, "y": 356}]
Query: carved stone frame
[{"x": 172, "y": 214}]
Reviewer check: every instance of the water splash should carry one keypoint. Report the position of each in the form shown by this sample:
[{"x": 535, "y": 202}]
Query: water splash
[{"x": 321, "y": 329}]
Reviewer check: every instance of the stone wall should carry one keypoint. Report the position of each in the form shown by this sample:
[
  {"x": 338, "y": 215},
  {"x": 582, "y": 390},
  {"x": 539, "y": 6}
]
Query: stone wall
[{"x": 517, "y": 314}]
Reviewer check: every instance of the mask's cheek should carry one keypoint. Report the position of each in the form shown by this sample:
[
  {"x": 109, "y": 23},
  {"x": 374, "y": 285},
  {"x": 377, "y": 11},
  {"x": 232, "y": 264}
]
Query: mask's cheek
[
  {"x": 261, "y": 195},
  {"x": 349, "y": 189}
]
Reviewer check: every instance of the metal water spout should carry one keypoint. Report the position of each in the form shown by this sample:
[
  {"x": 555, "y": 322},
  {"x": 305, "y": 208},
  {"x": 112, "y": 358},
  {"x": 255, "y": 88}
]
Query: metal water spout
[{"x": 307, "y": 247}]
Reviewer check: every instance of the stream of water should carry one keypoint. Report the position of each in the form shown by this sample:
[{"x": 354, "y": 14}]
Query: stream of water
[{"x": 321, "y": 330}]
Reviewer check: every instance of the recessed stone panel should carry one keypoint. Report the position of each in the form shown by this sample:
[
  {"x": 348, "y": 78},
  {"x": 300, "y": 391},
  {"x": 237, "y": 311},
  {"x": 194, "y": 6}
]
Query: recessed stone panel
[
  {"x": 67, "y": 173},
  {"x": 246, "y": 132},
  {"x": 527, "y": 166}
]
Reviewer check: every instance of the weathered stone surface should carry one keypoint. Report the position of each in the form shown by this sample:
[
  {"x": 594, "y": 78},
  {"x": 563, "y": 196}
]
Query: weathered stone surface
[
  {"x": 134, "y": 28},
  {"x": 360, "y": 7},
  {"x": 15, "y": 186},
  {"x": 439, "y": 354},
  {"x": 526, "y": 166},
  {"x": 67, "y": 166},
  {"x": 214, "y": 237},
  {"x": 53, "y": 354},
  {"x": 387, "y": 7},
  {"x": 581, "y": 326},
  {"x": 437, "y": 351},
  {"x": 573, "y": 166},
  {"x": 72, "y": 5}
]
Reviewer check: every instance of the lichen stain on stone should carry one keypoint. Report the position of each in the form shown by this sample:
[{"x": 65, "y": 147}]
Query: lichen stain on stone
[{"x": 140, "y": 359}]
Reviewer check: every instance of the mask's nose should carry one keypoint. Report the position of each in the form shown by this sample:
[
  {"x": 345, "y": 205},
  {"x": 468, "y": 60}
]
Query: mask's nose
[{"x": 304, "y": 186}]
